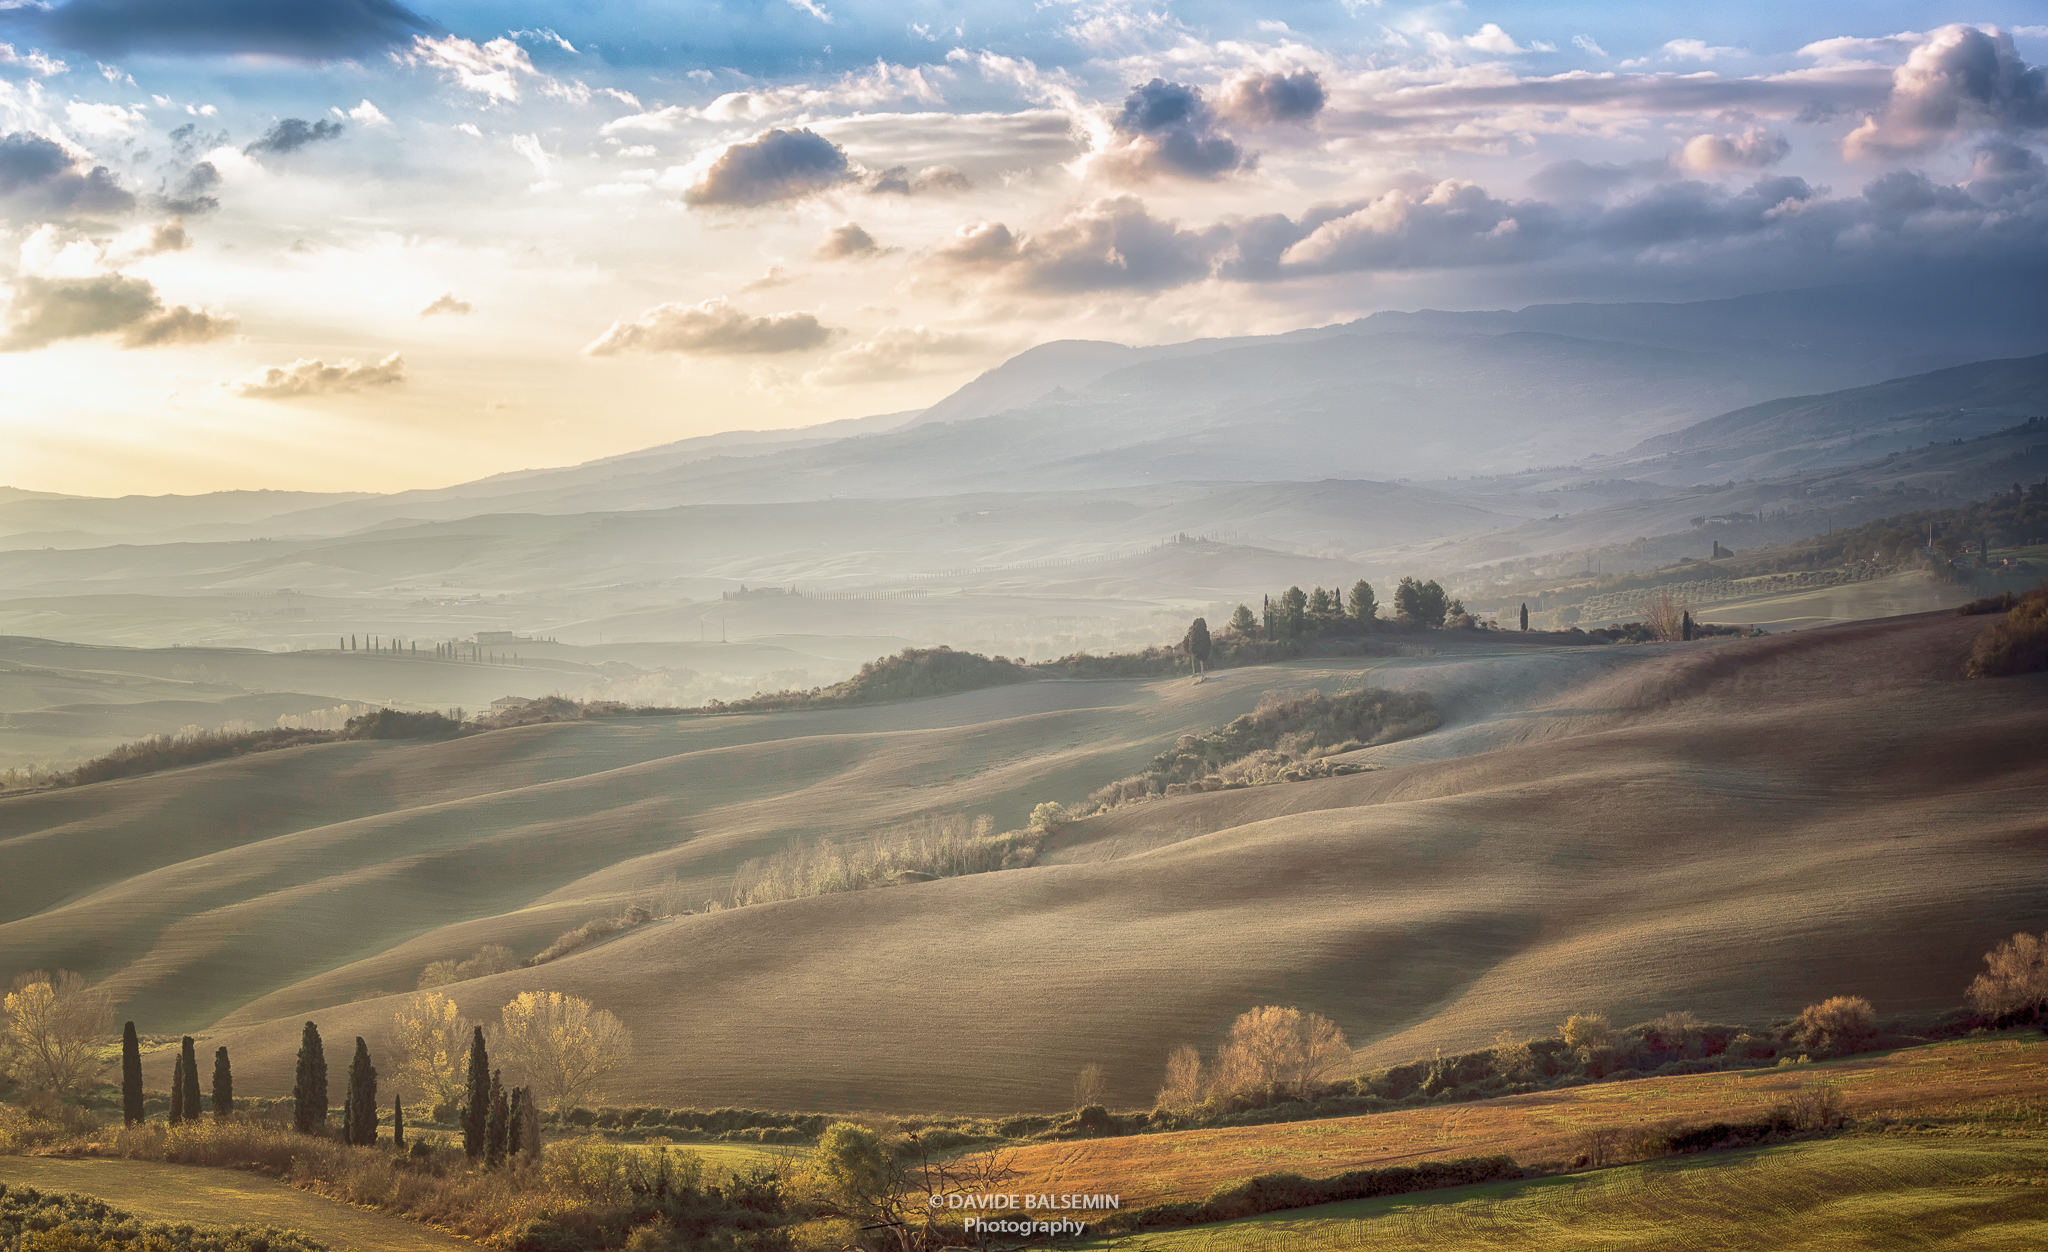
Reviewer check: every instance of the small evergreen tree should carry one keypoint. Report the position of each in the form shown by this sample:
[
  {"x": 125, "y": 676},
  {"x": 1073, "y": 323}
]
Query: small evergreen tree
[
  {"x": 131, "y": 1075},
  {"x": 398, "y": 1122},
  {"x": 515, "y": 1129},
  {"x": 497, "y": 1130},
  {"x": 1243, "y": 623},
  {"x": 1293, "y": 611},
  {"x": 1365, "y": 606},
  {"x": 223, "y": 1086},
  {"x": 362, "y": 1097},
  {"x": 309, "y": 1089},
  {"x": 1197, "y": 641},
  {"x": 178, "y": 1092},
  {"x": 1525, "y": 618},
  {"x": 477, "y": 1112},
  {"x": 1685, "y": 627},
  {"x": 348, "y": 1120},
  {"x": 191, "y": 1079}
]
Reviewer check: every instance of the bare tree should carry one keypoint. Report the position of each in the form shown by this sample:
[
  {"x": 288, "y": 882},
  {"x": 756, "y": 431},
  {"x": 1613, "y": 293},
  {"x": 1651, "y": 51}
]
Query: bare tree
[
  {"x": 1183, "y": 1087},
  {"x": 563, "y": 1045},
  {"x": 1274, "y": 1049},
  {"x": 2015, "y": 978},
  {"x": 1664, "y": 614},
  {"x": 433, "y": 1048},
  {"x": 1091, "y": 1085},
  {"x": 53, "y": 1030}
]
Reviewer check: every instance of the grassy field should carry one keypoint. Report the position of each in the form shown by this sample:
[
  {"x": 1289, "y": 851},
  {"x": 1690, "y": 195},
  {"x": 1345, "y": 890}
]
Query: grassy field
[
  {"x": 188, "y": 1193},
  {"x": 1967, "y": 1079},
  {"x": 1736, "y": 827},
  {"x": 1861, "y": 1193}
]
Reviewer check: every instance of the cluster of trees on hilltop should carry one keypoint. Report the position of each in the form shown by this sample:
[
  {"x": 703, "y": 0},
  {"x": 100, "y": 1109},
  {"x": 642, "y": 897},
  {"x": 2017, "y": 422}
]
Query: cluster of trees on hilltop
[{"x": 1296, "y": 614}]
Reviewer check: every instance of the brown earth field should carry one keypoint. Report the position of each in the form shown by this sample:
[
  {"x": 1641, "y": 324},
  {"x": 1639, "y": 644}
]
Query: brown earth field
[
  {"x": 1943, "y": 1082},
  {"x": 1735, "y": 827}
]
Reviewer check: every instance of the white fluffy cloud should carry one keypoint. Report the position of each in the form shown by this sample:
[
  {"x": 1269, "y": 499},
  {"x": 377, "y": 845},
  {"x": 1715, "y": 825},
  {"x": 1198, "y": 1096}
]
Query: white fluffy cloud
[
  {"x": 1959, "y": 81},
  {"x": 1755, "y": 148}
]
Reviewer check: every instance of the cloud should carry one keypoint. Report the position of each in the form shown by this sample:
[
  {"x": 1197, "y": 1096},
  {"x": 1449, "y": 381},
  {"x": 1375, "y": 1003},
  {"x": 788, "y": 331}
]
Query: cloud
[
  {"x": 1579, "y": 180},
  {"x": 896, "y": 180},
  {"x": 447, "y": 303},
  {"x": 1113, "y": 244},
  {"x": 897, "y": 352},
  {"x": 884, "y": 84},
  {"x": 292, "y": 133},
  {"x": 846, "y": 242},
  {"x": 775, "y": 276},
  {"x": 33, "y": 61},
  {"x": 46, "y": 310},
  {"x": 1696, "y": 50},
  {"x": 1960, "y": 80},
  {"x": 1262, "y": 99},
  {"x": 1449, "y": 223},
  {"x": 41, "y": 176},
  {"x": 774, "y": 165},
  {"x": 312, "y": 31},
  {"x": 492, "y": 70},
  {"x": 2005, "y": 170},
  {"x": 310, "y": 377},
  {"x": 1491, "y": 38},
  {"x": 103, "y": 120},
  {"x": 1169, "y": 129},
  {"x": 365, "y": 114},
  {"x": 190, "y": 197},
  {"x": 713, "y": 328},
  {"x": 1586, "y": 43},
  {"x": 1755, "y": 148}
]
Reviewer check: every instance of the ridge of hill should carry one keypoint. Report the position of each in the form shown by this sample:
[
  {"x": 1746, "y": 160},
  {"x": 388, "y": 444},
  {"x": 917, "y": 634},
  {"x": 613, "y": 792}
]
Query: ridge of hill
[{"x": 1643, "y": 829}]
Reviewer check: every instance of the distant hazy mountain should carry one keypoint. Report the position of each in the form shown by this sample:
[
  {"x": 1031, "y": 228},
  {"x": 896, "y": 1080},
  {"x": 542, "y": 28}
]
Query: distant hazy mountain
[{"x": 1845, "y": 427}]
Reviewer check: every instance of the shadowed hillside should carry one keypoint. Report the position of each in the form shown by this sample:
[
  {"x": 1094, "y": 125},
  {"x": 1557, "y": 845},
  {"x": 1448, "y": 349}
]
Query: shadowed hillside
[{"x": 1635, "y": 830}]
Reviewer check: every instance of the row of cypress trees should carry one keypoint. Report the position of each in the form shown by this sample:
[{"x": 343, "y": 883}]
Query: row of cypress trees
[
  {"x": 496, "y": 1123},
  {"x": 184, "y": 1082}
]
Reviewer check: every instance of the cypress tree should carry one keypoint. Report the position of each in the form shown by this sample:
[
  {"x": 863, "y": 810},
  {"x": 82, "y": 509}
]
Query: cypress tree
[
  {"x": 476, "y": 1113},
  {"x": 494, "y": 1148},
  {"x": 398, "y": 1122},
  {"x": 348, "y": 1119},
  {"x": 362, "y": 1096},
  {"x": 131, "y": 1076},
  {"x": 223, "y": 1086},
  {"x": 1686, "y": 629},
  {"x": 178, "y": 1092},
  {"x": 515, "y": 1126},
  {"x": 191, "y": 1064},
  {"x": 531, "y": 1143},
  {"x": 309, "y": 1092},
  {"x": 1525, "y": 617}
]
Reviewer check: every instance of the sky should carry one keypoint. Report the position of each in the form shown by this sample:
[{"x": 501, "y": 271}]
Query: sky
[{"x": 350, "y": 245}]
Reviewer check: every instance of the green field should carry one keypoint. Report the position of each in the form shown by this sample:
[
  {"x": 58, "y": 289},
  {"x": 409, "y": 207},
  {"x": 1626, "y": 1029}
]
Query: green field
[
  {"x": 191, "y": 1193},
  {"x": 1864, "y": 1193}
]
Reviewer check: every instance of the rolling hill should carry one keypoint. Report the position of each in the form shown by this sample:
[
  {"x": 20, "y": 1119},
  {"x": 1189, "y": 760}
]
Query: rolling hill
[{"x": 1735, "y": 827}]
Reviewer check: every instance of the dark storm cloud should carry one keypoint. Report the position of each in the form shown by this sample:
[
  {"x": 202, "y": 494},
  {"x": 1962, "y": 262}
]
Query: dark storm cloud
[
  {"x": 292, "y": 133},
  {"x": 310, "y": 30},
  {"x": 39, "y": 176},
  {"x": 1169, "y": 129},
  {"x": 192, "y": 195},
  {"x": 775, "y": 165}
]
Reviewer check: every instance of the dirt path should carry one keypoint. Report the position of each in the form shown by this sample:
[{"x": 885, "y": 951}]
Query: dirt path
[{"x": 188, "y": 1193}]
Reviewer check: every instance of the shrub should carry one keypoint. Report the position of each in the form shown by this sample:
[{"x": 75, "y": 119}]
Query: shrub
[
  {"x": 1585, "y": 1032},
  {"x": 46, "y": 1221},
  {"x": 2014, "y": 986},
  {"x": 1818, "y": 1107},
  {"x": 2017, "y": 645},
  {"x": 1835, "y": 1024}
]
